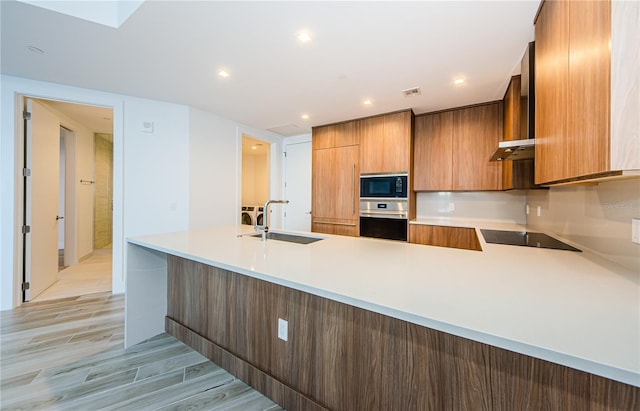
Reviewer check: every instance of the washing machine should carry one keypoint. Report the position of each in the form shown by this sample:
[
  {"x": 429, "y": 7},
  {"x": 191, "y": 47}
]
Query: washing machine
[
  {"x": 259, "y": 215},
  {"x": 248, "y": 215}
]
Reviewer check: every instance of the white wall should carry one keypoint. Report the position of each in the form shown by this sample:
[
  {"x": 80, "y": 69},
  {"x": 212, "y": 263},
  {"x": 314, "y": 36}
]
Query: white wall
[
  {"x": 156, "y": 168},
  {"x": 507, "y": 206},
  {"x": 148, "y": 181},
  {"x": 597, "y": 218},
  {"x": 215, "y": 164},
  {"x": 255, "y": 179}
]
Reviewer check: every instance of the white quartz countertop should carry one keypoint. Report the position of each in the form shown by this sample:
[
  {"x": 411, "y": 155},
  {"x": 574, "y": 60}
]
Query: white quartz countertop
[{"x": 574, "y": 309}]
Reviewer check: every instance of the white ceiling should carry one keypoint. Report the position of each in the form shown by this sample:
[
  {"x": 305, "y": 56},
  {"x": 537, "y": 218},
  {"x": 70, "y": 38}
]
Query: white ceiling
[
  {"x": 96, "y": 119},
  {"x": 172, "y": 50}
]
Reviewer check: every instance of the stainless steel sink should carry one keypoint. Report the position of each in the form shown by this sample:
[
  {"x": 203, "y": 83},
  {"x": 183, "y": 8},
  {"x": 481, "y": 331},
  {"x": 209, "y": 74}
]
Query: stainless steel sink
[{"x": 291, "y": 238}]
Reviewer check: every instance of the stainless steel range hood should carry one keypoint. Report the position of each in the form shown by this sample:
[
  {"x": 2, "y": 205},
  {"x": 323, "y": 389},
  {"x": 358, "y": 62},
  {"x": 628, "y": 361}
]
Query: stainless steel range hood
[
  {"x": 524, "y": 148},
  {"x": 515, "y": 150}
]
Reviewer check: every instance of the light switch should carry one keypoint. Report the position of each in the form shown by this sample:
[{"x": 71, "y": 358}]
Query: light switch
[
  {"x": 283, "y": 329},
  {"x": 147, "y": 126}
]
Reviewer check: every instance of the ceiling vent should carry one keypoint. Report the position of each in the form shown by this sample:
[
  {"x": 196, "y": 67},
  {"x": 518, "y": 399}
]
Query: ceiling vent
[
  {"x": 289, "y": 130},
  {"x": 412, "y": 92}
]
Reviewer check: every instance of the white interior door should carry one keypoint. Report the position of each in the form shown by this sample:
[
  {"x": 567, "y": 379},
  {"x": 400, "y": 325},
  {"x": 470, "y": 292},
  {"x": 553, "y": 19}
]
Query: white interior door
[
  {"x": 41, "y": 206},
  {"x": 298, "y": 186}
]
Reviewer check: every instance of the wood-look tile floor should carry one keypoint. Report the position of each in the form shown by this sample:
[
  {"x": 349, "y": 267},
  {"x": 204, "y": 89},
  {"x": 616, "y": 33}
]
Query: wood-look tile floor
[
  {"x": 89, "y": 276},
  {"x": 68, "y": 354}
]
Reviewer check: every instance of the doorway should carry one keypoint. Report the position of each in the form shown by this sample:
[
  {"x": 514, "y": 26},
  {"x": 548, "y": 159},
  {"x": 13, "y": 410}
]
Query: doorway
[
  {"x": 255, "y": 179},
  {"x": 60, "y": 199}
]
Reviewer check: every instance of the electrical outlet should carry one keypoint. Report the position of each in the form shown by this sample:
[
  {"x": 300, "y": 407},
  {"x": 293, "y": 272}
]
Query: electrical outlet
[
  {"x": 452, "y": 207},
  {"x": 635, "y": 230},
  {"x": 527, "y": 209},
  {"x": 283, "y": 329},
  {"x": 538, "y": 211}
]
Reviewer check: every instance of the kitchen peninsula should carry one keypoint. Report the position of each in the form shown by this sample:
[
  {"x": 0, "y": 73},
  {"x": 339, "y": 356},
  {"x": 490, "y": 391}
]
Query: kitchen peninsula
[{"x": 480, "y": 321}]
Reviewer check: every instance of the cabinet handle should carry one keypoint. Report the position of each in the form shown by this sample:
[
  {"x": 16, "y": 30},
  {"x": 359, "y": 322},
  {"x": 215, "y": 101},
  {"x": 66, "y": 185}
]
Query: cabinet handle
[
  {"x": 353, "y": 189},
  {"x": 332, "y": 223}
]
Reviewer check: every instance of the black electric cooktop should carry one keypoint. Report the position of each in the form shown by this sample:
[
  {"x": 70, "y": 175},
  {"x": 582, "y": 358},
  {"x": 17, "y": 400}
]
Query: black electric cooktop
[{"x": 524, "y": 238}]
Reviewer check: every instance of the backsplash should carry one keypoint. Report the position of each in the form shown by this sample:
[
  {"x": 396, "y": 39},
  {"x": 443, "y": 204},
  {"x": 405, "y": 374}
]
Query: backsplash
[
  {"x": 507, "y": 206},
  {"x": 595, "y": 217}
]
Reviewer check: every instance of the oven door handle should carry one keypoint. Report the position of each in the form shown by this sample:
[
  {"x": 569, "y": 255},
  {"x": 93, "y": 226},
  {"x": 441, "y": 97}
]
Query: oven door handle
[{"x": 382, "y": 214}]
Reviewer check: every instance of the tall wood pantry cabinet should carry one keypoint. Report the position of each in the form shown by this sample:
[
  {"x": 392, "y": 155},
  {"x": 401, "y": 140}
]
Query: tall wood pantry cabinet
[
  {"x": 335, "y": 179},
  {"x": 587, "y": 90}
]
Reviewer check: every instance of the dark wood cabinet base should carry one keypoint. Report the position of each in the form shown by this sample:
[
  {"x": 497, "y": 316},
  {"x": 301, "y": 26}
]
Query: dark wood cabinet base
[{"x": 341, "y": 357}]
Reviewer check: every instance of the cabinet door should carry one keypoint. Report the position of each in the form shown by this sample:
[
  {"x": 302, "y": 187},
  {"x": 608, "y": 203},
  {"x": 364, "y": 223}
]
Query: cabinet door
[
  {"x": 386, "y": 143},
  {"x": 443, "y": 236},
  {"x": 477, "y": 131},
  {"x": 335, "y": 183},
  {"x": 432, "y": 151},
  {"x": 589, "y": 100},
  {"x": 335, "y": 135},
  {"x": 552, "y": 78}
]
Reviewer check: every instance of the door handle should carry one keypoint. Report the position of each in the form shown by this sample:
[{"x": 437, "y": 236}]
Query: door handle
[
  {"x": 59, "y": 218},
  {"x": 308, "y": 212}
]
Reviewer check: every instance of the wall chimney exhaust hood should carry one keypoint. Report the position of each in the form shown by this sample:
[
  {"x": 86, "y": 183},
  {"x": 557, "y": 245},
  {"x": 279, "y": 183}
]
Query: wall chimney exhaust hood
[
  {"x": 515, "y": 150},
  {"x": 525, "y": 147}
]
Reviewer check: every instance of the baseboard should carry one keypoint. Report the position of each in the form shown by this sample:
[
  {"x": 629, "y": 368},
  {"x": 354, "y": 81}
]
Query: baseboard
[{"x": 261, "y": 381}]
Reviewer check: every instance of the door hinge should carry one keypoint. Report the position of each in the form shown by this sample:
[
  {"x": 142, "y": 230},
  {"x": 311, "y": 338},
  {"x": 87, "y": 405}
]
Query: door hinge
[
  {"x": 26, "y": 229},
  {"x": 26, "y": 115},
  {"x": 26, "y": 172},
  {"x": 285, "y": 153},
  {"x": 25, "y": 286}
]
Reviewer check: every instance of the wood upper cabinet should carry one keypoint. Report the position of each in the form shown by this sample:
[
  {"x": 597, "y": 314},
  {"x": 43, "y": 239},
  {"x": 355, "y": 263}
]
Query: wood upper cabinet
[
  {"x": 477, "y": 131},
  {"x": 335, "y": 135},
  {"x": 385, "y": 143},
  {"x": 587, "y": 97},
  {"x": 552, "y": 61},
  {"x": 433, "y": 152},
  {"x": 335, "y": 177},
  {"x": 452, "y": 149}
]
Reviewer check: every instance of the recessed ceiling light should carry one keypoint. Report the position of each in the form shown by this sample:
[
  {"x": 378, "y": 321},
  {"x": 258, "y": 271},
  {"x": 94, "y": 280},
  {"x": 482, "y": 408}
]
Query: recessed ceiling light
[
  {"x": 34, "y": 49},
  {"x": 254, "y": 147},
  {"x": 223, "y": 73},
  {"x": 304, "y": 117},
  {"x": 368, "y": 102},
  {"x": 459, "y": 81},
  {"x": 304, "y": 37}
]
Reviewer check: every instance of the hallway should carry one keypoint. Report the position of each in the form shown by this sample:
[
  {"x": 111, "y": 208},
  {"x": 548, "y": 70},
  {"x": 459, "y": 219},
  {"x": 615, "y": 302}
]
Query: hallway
[{"x": 92, "y": 275}]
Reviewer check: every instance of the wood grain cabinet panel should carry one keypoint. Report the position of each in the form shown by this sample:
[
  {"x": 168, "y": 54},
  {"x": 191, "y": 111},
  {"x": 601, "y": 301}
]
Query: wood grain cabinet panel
[
  {"x": 477, "y": 131},
  {"x": 335, "y": 135},
  {"x": 444, "y": 236},
  {"x": 385, "y": 143},
  {"x": 552, "y": 98},
  {"x": 433, "y": 152},
  {"x": 335, "y": 180},
  {"x": 584, "y": 118},
  {"x": 589, "y": 84},
  {"x": 340, "y": 357},
  {"x": 452, "y": 149}
]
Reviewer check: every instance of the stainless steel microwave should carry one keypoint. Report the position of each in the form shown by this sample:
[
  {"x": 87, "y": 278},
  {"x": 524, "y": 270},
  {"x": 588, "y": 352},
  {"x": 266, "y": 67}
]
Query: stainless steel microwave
[{"x": 383, "y": 186}]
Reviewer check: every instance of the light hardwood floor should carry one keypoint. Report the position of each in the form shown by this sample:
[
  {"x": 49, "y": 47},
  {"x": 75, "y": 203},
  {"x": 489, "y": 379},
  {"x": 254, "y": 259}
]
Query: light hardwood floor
[{"x": 68, "y": 354}]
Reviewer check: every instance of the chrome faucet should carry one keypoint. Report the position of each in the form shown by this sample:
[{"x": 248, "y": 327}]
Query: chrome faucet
[{"x": 265, "y": 226}]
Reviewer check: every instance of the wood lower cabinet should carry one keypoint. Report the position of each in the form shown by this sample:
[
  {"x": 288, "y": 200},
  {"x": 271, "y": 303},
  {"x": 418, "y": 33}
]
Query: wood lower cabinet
[
  {"x": 340, "y": 357},
  {"x": 335, "y": 190},
  {"x": 444, "y": 236},
  {"x": 385, "y": 143},
  {"x": 452, "y": 149}
]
